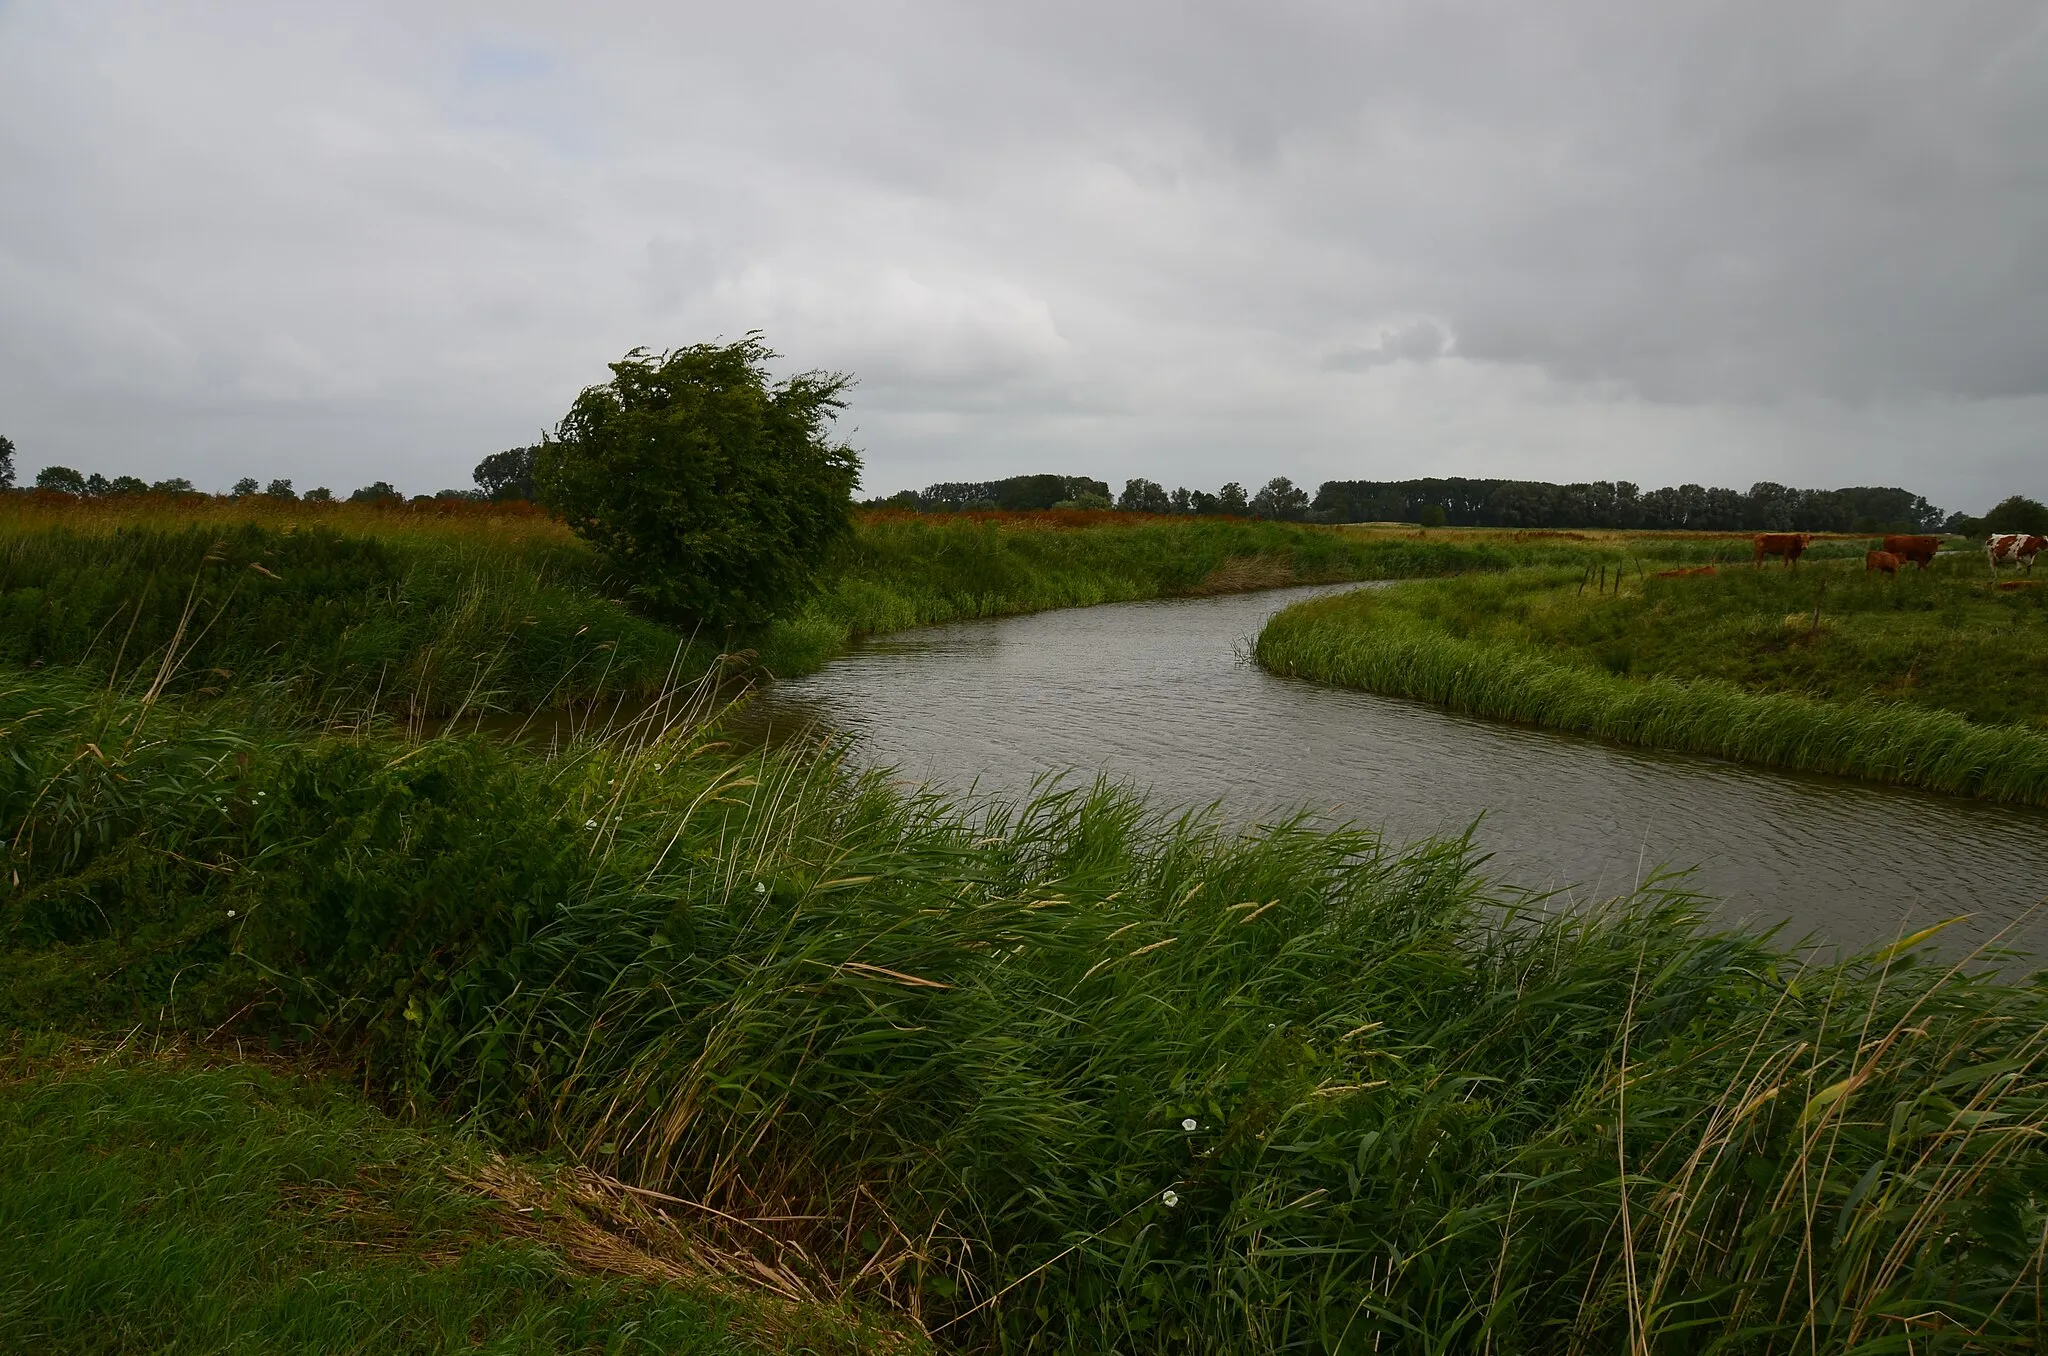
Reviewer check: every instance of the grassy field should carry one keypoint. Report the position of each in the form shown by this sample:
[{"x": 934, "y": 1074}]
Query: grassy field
[
  {"x": 660, "y": 1041},
  {"x": 1066, "y": 1074},
  {"x": 1930, "y": 679}
]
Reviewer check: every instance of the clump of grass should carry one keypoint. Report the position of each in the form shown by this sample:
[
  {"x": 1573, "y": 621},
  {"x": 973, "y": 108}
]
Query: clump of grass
[
  {"x": 1477, "y": 646},
  {"x": 1067, "y": 1072}
]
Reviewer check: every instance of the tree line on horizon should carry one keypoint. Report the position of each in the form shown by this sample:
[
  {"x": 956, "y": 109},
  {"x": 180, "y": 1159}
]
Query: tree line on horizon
[
  {"x": 1470, "y": 502},
  {"x": 1451, "y": 501}
]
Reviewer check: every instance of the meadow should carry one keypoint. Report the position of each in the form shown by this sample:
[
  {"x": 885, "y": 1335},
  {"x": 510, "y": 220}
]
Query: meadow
[
  {"x": 396, "y": 1037},
  {"x": 1928, "y": 680}
]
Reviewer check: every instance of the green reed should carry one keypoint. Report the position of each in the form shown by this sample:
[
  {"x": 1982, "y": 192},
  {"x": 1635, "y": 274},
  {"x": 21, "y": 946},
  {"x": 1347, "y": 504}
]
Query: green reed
[{"x": 1067, "y": 1072}]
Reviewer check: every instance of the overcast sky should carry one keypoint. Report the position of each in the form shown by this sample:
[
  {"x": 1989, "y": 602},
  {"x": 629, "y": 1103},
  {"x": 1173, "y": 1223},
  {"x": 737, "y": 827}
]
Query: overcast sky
[{"x": 1662, "y": 242}]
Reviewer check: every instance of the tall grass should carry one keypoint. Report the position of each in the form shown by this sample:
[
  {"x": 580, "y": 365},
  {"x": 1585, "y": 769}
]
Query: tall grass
[
  {"x": 1413, "y": 647},
  {"x": 1066, "y": 1073},
  {"x": 345, "y": 624}
]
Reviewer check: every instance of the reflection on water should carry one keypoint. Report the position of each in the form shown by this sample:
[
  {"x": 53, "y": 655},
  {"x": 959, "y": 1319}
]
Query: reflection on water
[{"x": 1155, "y": 694}]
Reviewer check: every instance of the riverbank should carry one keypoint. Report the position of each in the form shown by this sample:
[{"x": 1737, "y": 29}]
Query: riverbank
[
  {"x": 1065, "y": 1070},
  {"x": 1831, "y": 671},
  {"x": 428, "y": 613}
]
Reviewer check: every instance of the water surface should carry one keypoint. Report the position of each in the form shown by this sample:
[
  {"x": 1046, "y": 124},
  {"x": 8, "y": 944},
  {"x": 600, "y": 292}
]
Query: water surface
[{"x": 1156, "y": 694}]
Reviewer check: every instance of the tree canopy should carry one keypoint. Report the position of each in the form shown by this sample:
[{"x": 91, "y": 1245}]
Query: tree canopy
[
  {"x": 507, "y": 474},
  {"x": 713, "y": 491}
]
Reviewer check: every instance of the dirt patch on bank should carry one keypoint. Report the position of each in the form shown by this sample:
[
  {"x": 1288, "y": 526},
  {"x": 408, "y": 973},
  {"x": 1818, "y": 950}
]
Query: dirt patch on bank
[{"x": 1242, "y": 574}]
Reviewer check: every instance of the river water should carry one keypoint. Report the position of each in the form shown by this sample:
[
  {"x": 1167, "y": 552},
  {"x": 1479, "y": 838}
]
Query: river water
[{"x": 1157, "y": 695}]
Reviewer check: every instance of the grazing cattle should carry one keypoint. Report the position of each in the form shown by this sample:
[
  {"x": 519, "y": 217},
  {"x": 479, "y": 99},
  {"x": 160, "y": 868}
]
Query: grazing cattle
[
  {"x": 1919, "y": 550},
  {"x": 1790, "y": 545},
  {"x": 1882, "y": 561},
  {"x": 1685, "y": 572},
  {"x": 2018, "y": 547}
]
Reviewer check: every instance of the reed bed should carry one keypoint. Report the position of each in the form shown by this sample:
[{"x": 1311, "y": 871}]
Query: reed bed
[
  {"x": 1426, "y": 646},
  {"x": 349, "y": 626},
  {"x": 1068, "y": 1073}
]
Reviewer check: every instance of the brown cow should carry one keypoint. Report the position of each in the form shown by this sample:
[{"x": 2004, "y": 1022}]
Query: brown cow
[
  {"x": 1882, "y": 561},
  {"x": 1919, "y": 550},
  {"x": 1790, "y": 545}
]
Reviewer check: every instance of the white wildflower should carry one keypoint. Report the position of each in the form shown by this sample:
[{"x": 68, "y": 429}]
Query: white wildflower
[
  {"x": 759, "y": 888},
  {"x": 589, "y": 823},
  {"x": 1171, "y": 1198},
  {"x": 231, "y": 913},
  {"x": 1188, "y": 1124}
]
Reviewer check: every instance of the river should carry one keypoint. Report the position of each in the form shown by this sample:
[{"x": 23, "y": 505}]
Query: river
[{"x": 1157, "y": 695}]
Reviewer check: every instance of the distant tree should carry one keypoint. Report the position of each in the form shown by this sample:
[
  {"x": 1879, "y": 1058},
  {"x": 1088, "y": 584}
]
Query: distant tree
[
  {"x": 245, "y": 487},
  {"x": 60, "y": 478},
  {"x": 6, "y": 463},
  {"x": 1432, "y": 515},
  {"x": 1086, "y": 499},
  {"x": 174, "y": 485},
  {"x": 319, "y": 494},
  {"x": 1280, "y": 498},
  {"x": 1183, "y": 500},
  {"x": 507, "y": 474},
  {"x": 98, "y": 485},
  {"x": 1201, "y": 501},
  {"x": 1144, "y": 496},
  {"x": 2017, "y": 514},
  {"x": 713, "y": 491},
  {"x": 127, "y": 485},
  {"x": 377, "y": 492},
  {"x": 469, "y": 496},
  {"x": 1230, "y": 499},
  {"x": 280, "y": 489}
]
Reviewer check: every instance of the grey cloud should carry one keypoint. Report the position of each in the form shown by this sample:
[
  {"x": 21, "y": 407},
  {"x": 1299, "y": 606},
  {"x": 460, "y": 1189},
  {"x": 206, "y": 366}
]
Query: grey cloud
[
  {"x": 1416, "y": 341},
  {"x": 1685, "y": 240}
]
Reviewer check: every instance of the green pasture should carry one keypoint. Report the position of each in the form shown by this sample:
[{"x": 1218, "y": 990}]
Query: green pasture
[{"x": 1929, "y": 679}]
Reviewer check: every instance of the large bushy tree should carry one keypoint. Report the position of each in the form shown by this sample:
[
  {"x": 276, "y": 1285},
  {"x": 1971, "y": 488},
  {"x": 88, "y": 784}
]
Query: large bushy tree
[
  {"x": 60, "y": 478},
  {"x": 2017, "y": 514},
  {"x": 715, "y": 492},
  {"x": 507, "y": 474},
  {"x": 6, "y": 463}
]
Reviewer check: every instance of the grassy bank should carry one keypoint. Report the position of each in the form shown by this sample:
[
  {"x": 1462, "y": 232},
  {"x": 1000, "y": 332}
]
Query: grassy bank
[
  {"x": 1830, "y": 670},
  {"x": 171, "y": 1204},
  {"x": 905, "y": 570},
  {"x": 428, "y": 613},
  {"x": 1068, "y": 1074}
]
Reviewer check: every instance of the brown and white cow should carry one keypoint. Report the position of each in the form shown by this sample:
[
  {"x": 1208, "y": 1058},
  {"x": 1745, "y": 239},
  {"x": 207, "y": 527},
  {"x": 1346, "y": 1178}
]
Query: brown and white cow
[
  {"x": 1884, "y": 562},
  {"x": 1919, "y": 550},
  {"x": 1790, "y": 545},
  {"x": 2017, "y": 547}
]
